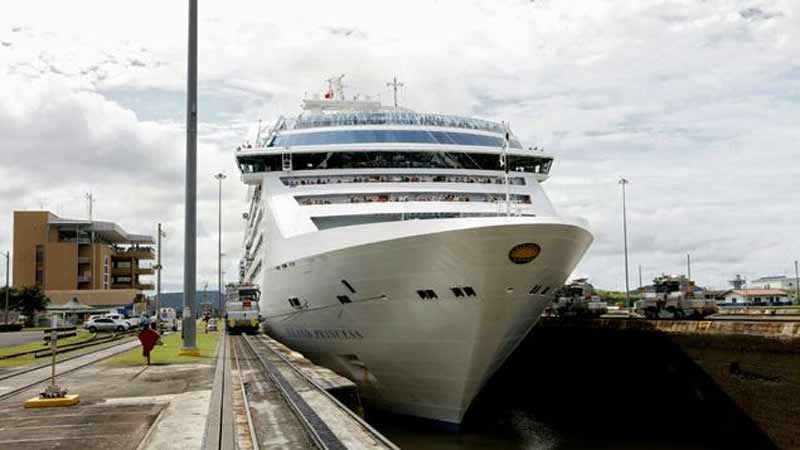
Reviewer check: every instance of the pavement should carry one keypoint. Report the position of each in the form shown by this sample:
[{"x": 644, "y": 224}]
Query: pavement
[
  {"x": 157, "y": 407},
  {"x": 19, "y": 337}
]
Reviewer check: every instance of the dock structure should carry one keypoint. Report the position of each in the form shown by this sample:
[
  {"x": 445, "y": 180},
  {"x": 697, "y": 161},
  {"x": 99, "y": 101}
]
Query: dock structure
[
  {"x": 268, "y": 396},
  {"x": 736, "y": 380}
]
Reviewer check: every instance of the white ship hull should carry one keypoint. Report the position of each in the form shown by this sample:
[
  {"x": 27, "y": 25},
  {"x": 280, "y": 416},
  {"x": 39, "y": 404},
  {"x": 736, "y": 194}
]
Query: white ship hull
[{"x": 414, "y": 356}]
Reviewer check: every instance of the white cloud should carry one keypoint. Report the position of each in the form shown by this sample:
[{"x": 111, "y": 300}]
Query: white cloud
[{"x": 694, "y": 102}]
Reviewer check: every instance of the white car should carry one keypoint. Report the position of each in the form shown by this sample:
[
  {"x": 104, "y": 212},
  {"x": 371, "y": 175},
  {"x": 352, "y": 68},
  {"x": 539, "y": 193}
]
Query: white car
[
  {"x": 105, "y": 324},
  {"x": 120, "y": 318}
]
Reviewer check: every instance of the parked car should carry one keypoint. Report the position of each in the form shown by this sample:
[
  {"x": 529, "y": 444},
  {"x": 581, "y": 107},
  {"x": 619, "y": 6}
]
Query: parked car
[
  {"x": 121, "y": 318},
  {"x": 105, "y": 324},
  {"x": 134, "y": 321}
]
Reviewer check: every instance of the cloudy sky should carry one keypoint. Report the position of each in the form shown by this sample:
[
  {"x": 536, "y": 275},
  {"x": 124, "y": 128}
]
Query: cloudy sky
[{"x": 696, "y": 102}]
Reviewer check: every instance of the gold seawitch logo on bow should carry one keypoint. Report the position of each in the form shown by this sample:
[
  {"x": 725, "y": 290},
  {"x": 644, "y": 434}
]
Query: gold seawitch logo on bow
[{"x": 524, "y": 253}]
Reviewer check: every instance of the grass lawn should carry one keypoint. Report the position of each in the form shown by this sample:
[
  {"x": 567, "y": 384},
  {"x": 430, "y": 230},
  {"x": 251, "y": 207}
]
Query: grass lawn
[
  {"x": 37, "y": 345},
  {"x": 168, "y": 353}
]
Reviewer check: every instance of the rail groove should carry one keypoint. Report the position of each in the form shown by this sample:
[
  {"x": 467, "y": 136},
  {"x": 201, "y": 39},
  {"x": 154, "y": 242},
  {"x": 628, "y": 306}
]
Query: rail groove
[{"x": 319, "y": 432}]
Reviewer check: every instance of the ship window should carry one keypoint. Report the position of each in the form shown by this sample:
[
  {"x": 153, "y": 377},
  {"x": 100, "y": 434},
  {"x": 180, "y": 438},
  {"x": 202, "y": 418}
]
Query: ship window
[
  {"x": 431, "y": 294},
  {"x": 327, "y": 222},
  {"x": 469, "y": 291},
  {"x": 534, "y": 290},
  {"x": 422, "y": 294},
  {"x": 349, "y": 286},
  {"x": 457, "y": 292},
  {"x": 343, "y": 299},
  {"x": 391, "y": 136},
  {"x": 544, "y": 291}
]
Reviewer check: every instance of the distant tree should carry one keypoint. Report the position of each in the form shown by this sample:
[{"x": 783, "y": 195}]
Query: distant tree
[
  {"x": 611, "y": 297},
  {"x": 26, "y": 301}
]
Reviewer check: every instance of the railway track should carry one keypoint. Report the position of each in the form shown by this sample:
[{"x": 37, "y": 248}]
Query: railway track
[
  {"x": 22, "y": 380},
  {"x": 252, "y": 354}
]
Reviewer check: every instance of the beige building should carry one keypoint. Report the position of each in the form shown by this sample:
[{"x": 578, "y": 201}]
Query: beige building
[{"x": 81, "y": 257}]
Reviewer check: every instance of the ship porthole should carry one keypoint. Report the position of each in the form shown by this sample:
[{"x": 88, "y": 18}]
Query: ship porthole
[{"x": 524, "y": 253}]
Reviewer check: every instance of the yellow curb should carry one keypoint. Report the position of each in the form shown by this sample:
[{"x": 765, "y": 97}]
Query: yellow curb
[
  {"x": 188, "y": 352},
  {"x": 67, "y": 400}
]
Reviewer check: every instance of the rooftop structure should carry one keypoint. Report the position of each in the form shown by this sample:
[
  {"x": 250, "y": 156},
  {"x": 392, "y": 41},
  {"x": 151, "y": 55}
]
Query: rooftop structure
[
  {"x": 756, "y": 297},
  {"x": 60, "y": 254},
  {"x": 774, "y": 282}
]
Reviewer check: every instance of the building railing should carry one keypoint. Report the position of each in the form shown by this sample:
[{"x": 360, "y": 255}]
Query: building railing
[{"x": 136, "y": 252}]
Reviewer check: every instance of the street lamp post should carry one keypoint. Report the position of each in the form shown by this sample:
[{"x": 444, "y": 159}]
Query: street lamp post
[
  {"x": 5, "y": 316},
  {"x": 189, "y": 325},
  {"x": 623, "y": 182},
  {"x": 158, "y": 278},
  {"x": 220, "y": 176}
]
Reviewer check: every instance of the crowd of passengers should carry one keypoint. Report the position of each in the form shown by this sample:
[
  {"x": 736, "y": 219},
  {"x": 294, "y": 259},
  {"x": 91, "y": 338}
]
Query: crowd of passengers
[
  {"x": 400, "y": 179},
  {"x": 420, "y": 197}
]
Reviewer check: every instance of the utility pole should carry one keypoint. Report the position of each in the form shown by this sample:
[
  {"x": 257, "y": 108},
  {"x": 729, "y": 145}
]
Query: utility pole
[
  {"x": 623, "y": 182},
  {"x": 394, "y": 84},
  {"x": 158, "y": 278},
  {"x": 190, "y": 220},
  {"x": 640, "y": 276},
  {"x": 220, "y": 176},
  {"x": 5, "y": 318},
  {"x": 796, "y": 283}
]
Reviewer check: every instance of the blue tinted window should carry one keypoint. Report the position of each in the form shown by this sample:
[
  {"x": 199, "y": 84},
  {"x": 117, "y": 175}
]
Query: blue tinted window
[{"x": 388, "y": 136}]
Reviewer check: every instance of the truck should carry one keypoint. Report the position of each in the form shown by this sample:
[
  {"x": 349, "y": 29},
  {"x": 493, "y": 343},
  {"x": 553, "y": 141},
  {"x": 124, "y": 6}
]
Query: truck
[
  {"x": 241, "y": 309},
  {"x": 673, "y": 297},
  {"x": 577, "y": 299},
  {"x": 168, "y": 318}
]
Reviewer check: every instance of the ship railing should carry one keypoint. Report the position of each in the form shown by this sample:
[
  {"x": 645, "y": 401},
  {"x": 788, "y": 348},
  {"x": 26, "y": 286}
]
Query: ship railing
[{"x": 280, "y": 124}]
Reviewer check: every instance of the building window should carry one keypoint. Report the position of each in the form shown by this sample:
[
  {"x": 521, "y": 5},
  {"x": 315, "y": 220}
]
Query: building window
[
  {"x": 343, "y": 299},
  {"x": 40, "y": 265},
  {"x": 457, "y": 292},
  {"x": 544, "y": 291},
  {"x": 470, "y": 292},
  {"x": 431, "y": 294},
  {"x": 348, "y": 286},
  {"x": 534, "y": 290},
  {"x": 422, "y": 294}
]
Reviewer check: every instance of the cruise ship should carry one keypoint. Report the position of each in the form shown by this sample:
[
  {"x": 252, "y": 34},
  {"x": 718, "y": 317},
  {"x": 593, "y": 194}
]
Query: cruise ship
[{"x": 409, "y": 252}]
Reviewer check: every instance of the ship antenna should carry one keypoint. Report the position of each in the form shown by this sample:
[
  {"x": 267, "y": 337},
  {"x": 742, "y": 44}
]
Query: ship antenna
[
  {"x": 394, "y": 84},
  {"x": 335, "y": 86},
  {"x": 258, "y": 134}
]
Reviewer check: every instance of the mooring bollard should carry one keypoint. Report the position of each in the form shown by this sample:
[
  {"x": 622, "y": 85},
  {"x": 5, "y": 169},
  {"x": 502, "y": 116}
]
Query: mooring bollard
[{"x": 54, "y": 395}]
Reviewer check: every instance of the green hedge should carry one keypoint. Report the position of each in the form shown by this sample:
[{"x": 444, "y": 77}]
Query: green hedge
[{"x": 10, "y": 327}]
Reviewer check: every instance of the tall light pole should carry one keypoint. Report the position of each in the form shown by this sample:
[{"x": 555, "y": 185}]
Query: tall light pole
[
  {"x": 5, "y": 317},
  {"x": 190, "y": 219},
  {"x": 220, "y": 176},
  {"x": 796, "y": 283},
  {"x": 623, "y": 182},
  {"x": 158, "y": 278}
]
